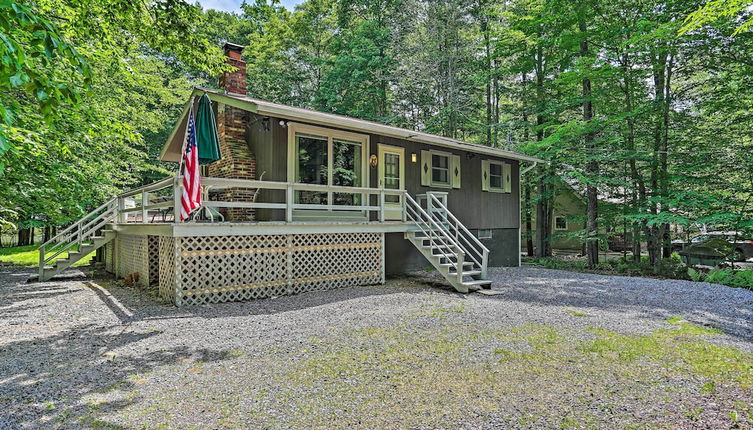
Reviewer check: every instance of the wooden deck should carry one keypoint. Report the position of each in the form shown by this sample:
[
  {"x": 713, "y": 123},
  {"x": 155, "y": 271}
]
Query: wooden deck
[{"x": 187, "y": 229}]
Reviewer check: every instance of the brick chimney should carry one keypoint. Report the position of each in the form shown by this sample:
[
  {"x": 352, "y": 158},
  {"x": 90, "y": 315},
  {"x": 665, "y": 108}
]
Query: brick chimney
[{"x": 234, "y": 81}]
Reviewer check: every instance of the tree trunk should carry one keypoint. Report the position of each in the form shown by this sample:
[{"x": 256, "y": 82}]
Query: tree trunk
[
  {"x": 666, "y": 241},
  {"x": 544, "y": 208},
  {"x": 592, "y": 167},
  {"x": 655, "y": 232},
  {"x": 528, "y": 215},
  {"x": 23, "y": 236}
]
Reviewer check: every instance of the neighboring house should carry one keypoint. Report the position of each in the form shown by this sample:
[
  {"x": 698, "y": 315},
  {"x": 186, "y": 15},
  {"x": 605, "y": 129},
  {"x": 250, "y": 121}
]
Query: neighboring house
[
  {"x": 304, "y": 200},
  {"x": 568, "y": 219}
]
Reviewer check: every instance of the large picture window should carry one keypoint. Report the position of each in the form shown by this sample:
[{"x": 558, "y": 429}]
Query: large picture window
[
  {"x": 327, "y": 157},
  {"x": 312, "y": 166}
]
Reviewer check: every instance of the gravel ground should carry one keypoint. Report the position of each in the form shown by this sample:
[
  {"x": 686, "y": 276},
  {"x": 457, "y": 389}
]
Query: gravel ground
[{"x": 550, "y": 349}]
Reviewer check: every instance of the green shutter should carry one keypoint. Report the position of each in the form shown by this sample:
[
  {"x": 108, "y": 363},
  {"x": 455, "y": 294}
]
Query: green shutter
[
  {"x": 485, "y": 175},
  {"x": 425, "y": 168},
  {"x": 507, "y": 177},
  {"x": 455, "y": 170}
]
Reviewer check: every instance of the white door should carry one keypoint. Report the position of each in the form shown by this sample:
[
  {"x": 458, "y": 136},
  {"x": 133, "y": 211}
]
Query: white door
[{"x": 391, "y": 164}]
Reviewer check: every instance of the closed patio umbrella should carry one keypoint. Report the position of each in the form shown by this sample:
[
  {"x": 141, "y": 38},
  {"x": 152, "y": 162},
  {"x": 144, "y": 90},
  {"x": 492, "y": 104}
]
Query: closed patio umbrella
[{"x": 206, "y": 133}]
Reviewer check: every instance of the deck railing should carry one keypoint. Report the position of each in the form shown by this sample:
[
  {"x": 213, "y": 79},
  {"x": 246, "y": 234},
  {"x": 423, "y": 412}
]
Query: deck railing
[{"x": 157, "y": 202}]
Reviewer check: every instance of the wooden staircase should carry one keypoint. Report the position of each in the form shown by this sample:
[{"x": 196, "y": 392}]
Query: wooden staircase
[
  {"x": 448, "y": 245},
  {"x": 80, "y": 239}
]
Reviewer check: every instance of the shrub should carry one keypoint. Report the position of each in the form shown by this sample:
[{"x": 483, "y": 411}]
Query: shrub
[
  {"x": 742, "y": 279},
  {"x": 720, "y": 276},
  {"x": 695, "y": 275}
]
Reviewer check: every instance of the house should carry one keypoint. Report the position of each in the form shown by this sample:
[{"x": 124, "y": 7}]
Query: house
[
  {"x": 304, "y": 200},
  {"x": 568, "y": 219}
]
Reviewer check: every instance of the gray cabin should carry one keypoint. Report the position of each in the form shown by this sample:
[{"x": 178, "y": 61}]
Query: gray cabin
[{"x": 304, "y": 200}]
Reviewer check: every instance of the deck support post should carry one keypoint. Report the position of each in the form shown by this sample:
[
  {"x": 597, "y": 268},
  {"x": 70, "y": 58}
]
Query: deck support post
[
  {"x": 289, "y": 203},
  {"x": 144, "y": 204},
  {"x": 176, "y": 199},
  {"x": 381, "y": 205}
]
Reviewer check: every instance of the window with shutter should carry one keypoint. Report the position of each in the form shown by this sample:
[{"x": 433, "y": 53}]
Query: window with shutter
[
  {"x": 440, "y": 169},
  {"x": 496, "y": 176}
]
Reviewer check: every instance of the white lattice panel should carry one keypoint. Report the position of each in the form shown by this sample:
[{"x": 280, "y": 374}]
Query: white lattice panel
[
  {"x": 233, "y": 268},
  {"x": 167, "y": 268},
  {"x": 153, "y": 243},
  {"x": 325, "y": 261},
  {"x": 133, "y": 256}
]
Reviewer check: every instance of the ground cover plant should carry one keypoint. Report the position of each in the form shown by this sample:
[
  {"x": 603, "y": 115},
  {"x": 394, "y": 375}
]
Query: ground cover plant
[{"x": 670, "y": 268}]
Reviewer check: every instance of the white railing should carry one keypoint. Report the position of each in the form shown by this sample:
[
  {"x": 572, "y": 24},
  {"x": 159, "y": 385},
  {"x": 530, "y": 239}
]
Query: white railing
[
  {"x": 438, "y": 236},
  {"x": 88, "y": 226},
  {"x": 289, "y": 202},
  {"x": 474, "y": 249},
  {"x": 137, "y": 206},
  {"x": 76, "y": 233}
]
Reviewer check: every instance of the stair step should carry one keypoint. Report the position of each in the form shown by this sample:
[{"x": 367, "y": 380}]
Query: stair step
[
  {"x": 467, "y": 272},
  {"x": 465, "y": 264},
  {"x": 479, "y": 282}
]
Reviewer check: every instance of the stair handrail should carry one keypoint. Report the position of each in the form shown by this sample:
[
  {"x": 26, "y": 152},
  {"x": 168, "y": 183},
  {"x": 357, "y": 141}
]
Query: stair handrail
[
  {"x": 78, "y": 231},
  {"x": 473, "y": 242},
  {"x": 441, "y": 233}
]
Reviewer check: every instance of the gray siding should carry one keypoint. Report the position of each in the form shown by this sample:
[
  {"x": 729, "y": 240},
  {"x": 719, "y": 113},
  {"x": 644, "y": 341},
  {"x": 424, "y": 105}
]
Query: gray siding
[
  {"x": 475, "y": 208},
  {"x": 401, "y": 256}
]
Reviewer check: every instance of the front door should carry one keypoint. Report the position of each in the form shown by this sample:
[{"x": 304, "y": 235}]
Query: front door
[{"x": 392, "y": 177}]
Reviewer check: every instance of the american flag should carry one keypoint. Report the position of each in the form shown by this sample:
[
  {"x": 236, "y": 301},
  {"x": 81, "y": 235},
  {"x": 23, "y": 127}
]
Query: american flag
[{"x": 191, "y": 198}]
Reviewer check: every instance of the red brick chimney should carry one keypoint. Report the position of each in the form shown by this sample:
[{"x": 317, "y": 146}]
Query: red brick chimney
[{"x": 234, "y": 81}]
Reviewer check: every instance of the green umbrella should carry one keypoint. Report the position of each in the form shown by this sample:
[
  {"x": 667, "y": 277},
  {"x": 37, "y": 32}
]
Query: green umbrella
[{"x": 206, "y": 132}]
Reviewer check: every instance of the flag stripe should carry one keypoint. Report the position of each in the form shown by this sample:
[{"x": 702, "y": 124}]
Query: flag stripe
[{"x": 191, "y": 197}]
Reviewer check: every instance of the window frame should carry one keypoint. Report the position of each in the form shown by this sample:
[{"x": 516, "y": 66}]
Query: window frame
[
  {"x": 486, "y": 182},
  {"x": 448, "y": 156},
  {"x": 331, "y": 135},
  {"x": 562, "y": 217},
  {"x": 501, "y": 188}
]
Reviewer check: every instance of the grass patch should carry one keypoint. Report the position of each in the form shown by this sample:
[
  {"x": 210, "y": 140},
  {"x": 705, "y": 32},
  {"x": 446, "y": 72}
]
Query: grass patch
[
  {"x": 576, "y": 313},
  {"x": 29, "y": 256},
  {"x": 421, "y": 376}
]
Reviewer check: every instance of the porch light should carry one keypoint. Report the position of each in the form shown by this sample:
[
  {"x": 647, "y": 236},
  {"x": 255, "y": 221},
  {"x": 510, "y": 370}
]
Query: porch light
[{"x": 413, "y": 157}]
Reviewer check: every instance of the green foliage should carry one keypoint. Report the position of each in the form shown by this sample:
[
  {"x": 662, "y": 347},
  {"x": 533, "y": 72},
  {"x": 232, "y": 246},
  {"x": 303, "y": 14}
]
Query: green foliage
[
  {"x": 106, "y": 79},
  {"x": 732, "y": 278},
  {"x": 695, "y": 275},
  {"x": 668, "y": 268},
  {"x": 37, "y": 62}
]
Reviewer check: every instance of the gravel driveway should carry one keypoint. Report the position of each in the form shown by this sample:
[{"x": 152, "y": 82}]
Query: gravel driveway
[{"x": 551, "y": 349}]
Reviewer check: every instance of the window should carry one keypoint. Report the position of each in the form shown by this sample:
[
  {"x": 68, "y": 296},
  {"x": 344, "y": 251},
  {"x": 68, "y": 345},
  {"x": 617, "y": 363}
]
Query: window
[
  {"x": 496, "y": 176},
  {"x": 312, "y": 166},
  {"x": 560, "y": 223},
  {"x": 485, "y": 234},
  {"x": 391, "y": 163},
  {"x": 440, "y": 169},
  {"x": 346, "y": 171},
  {"x": 327, "y": 157}
]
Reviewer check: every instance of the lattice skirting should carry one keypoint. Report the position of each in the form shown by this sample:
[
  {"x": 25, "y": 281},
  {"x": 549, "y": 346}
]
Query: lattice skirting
[
  {"x": 198, "y": 270},
  {"x": 153, "y": 243},
  {"x": 132, "y": 256}
]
